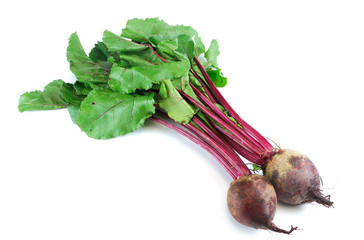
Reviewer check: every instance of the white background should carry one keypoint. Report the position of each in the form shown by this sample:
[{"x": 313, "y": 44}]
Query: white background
[{"x": 295, "y": 71}]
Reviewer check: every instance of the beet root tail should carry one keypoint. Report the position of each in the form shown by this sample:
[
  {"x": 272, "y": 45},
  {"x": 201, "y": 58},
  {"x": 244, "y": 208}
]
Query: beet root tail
[
  {"x": 322, "y": 199},
  {"x": 274, "y": 228}
]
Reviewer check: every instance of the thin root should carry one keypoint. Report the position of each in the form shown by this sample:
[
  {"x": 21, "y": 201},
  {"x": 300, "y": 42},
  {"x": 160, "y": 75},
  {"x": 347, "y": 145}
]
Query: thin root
[
  {"x": 322, "y": 199},
  {"x": 274, "y": 228}
]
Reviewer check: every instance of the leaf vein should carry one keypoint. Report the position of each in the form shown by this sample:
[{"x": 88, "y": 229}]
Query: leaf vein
[{"x": 103, "y": 114}]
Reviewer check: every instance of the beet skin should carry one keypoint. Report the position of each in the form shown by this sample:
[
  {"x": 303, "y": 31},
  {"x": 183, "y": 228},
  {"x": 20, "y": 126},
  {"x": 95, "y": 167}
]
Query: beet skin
[
  {"x": 252, "y": 201},
  {"x": 295, "y": 178}
]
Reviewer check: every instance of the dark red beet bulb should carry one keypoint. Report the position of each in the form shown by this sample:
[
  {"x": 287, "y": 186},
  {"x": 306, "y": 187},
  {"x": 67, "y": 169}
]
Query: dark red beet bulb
[
  {"x": 252, "y": 201},
  {"x": 295, "y": 178}
]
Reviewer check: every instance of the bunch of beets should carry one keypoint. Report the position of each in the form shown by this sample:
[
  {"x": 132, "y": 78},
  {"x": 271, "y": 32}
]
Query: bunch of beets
[{"x": 164, "y": 73}]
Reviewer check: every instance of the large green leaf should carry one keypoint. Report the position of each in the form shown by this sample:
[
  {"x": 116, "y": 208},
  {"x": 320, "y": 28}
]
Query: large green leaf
[
  {"x": 48, "y": 99},
  {"x": 127, "y": 80},
  {"x": 82, "y": 66},
  {"x": 173, "y": 103},
  {"x": 106, "y": 114}
]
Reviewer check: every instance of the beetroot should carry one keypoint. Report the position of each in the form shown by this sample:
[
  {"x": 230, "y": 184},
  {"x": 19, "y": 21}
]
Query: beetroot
[
  {"x": 252, "y": 201},
  {"x": 295, "y": 178}
]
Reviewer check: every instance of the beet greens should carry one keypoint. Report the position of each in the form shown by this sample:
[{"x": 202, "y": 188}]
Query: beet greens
[{"x": 162, "y": 73}]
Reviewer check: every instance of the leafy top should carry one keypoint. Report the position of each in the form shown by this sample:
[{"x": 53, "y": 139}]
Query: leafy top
[{"x": 124, "y": 79}]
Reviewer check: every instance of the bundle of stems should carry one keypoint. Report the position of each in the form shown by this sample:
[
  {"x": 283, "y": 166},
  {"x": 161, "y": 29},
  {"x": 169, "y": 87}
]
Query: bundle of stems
[{"x": 222, "y": 133}]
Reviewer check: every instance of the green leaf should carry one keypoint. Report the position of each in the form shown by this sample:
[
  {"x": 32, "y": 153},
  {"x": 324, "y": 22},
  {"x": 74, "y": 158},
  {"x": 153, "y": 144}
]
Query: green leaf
[
  {"x": 82, "y": 88},
  {"x": 154, "y": 31},
  {"x": 100, "y": 55},
  {"x": 127, "y": 80},
  {"x": 217, "y": 77},
  {"x": 70, "y": 95},
  {"x": 183, "y": 84},
  {"x": 180, "y": 48},
  {"x": 212, "y": 53},
  {"x": 167, "y": 49},
  {"x": 73, "y": 99},
  {"x": 120, "y": 44},
  {"x": 173, "y": 103},
  {"x": 163, "y": 91},
  {"x": 186, "y": 46},
  {"x": 82, "y": 66},
  {"x": 48, "y": 99},
  {"x": 142, "y": 58},
  {"x": 140, "y": 30},
  {"x": 106, "y": 114}
]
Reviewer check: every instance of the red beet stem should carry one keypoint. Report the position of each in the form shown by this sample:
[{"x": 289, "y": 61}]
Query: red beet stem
[
  {"x": 237, "y": 162},
  {"x": 222, "y": 115},
  {"x": 211, "y": 97},
  {"x": 237, "y": 146},
  {"x": 220, "y": 99},
  {"x": 249, "y": 146}
]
